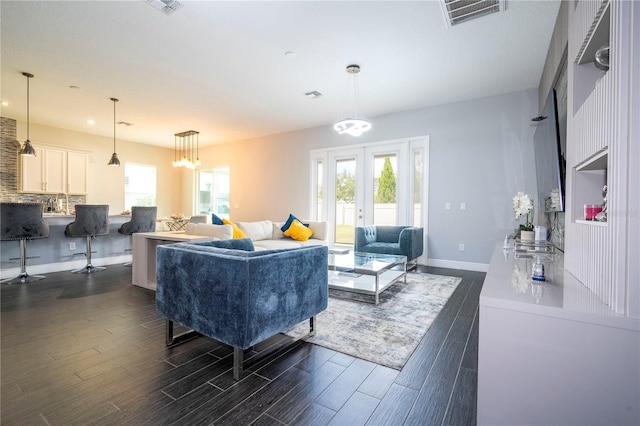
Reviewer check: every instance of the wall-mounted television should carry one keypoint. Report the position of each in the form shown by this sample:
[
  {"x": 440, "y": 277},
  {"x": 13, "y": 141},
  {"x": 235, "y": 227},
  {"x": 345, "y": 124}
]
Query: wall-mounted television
[{"x": 550, "y": 161}]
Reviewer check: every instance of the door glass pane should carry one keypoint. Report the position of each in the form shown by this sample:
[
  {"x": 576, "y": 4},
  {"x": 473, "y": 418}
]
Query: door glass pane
[
  {"x": 384, "y": 190},
  {"x": 213, "y": 192},
  {"x": 345, "y": 201},
  {"x": 418, "y": 170},
  {"x": 205, "y": 191},
  {"x": 319, "y": 191}
]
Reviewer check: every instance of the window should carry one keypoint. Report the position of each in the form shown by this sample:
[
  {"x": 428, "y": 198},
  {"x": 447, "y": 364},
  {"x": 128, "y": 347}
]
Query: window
[
  {"x": 213, "y": 192},
  {"x": 139, "y": 185}
]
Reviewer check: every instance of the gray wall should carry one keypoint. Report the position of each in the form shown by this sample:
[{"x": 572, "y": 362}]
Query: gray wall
[{"x": 481, "y": 153}]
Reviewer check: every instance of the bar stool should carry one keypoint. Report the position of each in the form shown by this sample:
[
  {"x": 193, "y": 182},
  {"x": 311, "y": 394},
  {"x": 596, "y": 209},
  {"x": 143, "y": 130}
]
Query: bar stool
[
  {"x": 91, "y": 220},
  {"x": 22, "y": 221},
  {"x": 143, "y": 219},
  {"x": 201, "y": 218}
]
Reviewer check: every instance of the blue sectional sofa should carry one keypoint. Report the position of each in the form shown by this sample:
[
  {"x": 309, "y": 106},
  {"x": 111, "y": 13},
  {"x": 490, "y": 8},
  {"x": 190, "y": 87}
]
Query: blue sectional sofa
[{"x": 225, "y": 290}]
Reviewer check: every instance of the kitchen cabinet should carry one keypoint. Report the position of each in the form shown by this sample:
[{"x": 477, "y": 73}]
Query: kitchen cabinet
[
  {"x": 77, "y": 173},
  {"x": 44, "y": 173},
  {"x": 54, "y": 171}
]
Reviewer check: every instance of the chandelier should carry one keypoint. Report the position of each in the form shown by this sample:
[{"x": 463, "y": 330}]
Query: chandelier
[
  {"x": 353, "y": 126},
  {"x": 185, "y": 152}
]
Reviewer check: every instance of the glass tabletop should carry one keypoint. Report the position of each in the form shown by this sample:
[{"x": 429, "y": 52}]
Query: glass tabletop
[{"x": 362, "y": 262}]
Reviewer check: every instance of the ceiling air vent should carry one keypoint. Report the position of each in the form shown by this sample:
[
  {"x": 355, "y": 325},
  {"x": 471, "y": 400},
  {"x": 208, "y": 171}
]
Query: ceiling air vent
[
  {"x": 459, "y": 11},
  {"x": 165, "y": 6}
]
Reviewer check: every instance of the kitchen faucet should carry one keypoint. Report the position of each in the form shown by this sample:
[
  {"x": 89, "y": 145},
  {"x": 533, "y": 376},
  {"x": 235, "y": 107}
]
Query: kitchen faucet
[{"x": 66, "y": 202}]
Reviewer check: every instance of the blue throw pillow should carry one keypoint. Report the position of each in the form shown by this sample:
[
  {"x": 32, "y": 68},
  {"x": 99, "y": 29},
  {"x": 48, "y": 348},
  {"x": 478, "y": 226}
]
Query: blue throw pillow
[
  {"x": 235, "y": 244},
  {"x": 215, "y": 219},
  {"x": 289, "y": 221}
]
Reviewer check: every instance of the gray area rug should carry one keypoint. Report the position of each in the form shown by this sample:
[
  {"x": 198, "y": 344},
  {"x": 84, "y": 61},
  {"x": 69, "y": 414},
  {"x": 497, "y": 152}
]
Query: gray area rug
[{"x": 388, "y": 333}]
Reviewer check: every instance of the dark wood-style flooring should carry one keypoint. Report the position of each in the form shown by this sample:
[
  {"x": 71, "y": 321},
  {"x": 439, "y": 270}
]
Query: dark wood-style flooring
[{"x": 89, "y": 350}]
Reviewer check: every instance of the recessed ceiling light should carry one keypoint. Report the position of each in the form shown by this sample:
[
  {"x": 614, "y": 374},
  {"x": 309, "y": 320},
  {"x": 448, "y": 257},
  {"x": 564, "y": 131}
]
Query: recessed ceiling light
[
  {"x": 5, "y": 103},
  {"x": 90, "y": 122},
  {"x": 124, "y": 123},
  {"x": 74, "y": 87},
  {"x": 290, "y": 54},
  {"x": 313, "y": 94}
]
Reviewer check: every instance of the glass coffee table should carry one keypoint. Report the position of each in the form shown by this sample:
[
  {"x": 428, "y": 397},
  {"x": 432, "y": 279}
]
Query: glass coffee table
[{"x": 366, "y": 273}]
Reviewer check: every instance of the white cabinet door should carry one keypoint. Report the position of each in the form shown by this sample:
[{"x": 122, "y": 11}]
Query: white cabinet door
[
  {"x": 46, "y": 173},
  {"x": 77, "y": 173},
  {"x": 55, "y": 171},
  {"x": 32, "y": 177}
]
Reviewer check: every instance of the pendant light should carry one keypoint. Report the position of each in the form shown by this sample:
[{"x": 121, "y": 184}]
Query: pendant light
[
  {"x": 27, "y": 149},
  {"x": 353, "y": 126},
  {"x": 186, "y": 144},
  {"x": 114, "y": 157}
]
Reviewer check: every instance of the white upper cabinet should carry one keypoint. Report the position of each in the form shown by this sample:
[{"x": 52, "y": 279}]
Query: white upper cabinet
[
  {"x": 77, "y": 173},
  {"x": 54, "y": 171}
]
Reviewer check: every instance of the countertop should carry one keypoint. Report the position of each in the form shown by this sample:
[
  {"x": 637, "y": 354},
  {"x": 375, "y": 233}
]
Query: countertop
[
  {"x": 508, "y": 285},
  {"x": 64, "y": 219}
]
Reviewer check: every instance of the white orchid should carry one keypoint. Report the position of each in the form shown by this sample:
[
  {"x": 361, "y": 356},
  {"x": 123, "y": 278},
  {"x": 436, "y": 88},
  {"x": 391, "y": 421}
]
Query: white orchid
[{"x": 523, "y": 206}]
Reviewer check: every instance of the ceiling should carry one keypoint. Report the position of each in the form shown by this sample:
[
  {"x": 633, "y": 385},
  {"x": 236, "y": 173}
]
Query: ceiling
[{"x": 220, "y": 67}]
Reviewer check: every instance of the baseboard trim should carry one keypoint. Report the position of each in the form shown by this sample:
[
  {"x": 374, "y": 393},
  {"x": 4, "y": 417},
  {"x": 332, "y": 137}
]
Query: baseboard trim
[
  {"x": 64, "y": 266},
  {"x": 454, "y": 264}
]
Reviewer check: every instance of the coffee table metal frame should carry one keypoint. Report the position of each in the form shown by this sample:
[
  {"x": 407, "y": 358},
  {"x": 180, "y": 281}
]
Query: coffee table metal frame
[{"x": 366, "y": 273}]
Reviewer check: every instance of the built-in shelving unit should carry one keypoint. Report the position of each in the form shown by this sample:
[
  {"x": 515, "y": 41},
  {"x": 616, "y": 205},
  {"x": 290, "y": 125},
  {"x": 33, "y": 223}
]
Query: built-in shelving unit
[
  {"x": 600, "y": 127},
  {"x": 590, "y": 177},
  {"x": 586, "y": 74}
]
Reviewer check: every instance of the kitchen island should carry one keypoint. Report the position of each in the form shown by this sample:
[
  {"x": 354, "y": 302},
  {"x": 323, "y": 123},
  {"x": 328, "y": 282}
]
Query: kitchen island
[{"x": 54, "y": 254}]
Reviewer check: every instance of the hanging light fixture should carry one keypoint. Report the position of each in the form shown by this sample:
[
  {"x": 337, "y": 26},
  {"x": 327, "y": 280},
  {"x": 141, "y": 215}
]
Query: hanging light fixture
[
  {"x": 27, "y": 149},
  {"x": 185, "y": 149},
  {"x": 114, "y": 157},
  {"x": 353, "y": 126}
]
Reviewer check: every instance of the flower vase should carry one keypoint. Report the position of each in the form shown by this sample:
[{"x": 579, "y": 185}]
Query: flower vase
[{"x": 527, "y": 235}]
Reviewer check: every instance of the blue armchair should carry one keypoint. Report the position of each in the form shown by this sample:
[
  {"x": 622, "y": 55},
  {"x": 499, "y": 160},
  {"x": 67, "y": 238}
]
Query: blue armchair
[
  {"x": 398, "y": 240},
  {"x": 225, "y": 290}
]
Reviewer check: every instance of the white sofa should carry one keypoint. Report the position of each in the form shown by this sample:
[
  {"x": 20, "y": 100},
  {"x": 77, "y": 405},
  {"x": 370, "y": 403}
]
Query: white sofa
[{"x": 265, "y": 234}]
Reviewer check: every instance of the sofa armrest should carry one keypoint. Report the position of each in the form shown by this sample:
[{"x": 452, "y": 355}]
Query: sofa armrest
[
  {"x": 364, "y": 235},
  {"x": 411, "y": 242}
]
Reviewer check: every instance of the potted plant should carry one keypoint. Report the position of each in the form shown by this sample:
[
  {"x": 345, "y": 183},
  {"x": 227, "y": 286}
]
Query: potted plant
[{"x": 523, "y": 206}]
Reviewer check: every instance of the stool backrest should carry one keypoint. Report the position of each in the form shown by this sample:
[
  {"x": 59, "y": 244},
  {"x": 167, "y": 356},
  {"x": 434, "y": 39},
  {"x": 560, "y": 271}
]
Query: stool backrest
[
  {"x": 22, "y": 221},
  {"x": 91, "y": 219},
  {"x": 198, "y": 219},
  {"x": 143, "y": 219}
]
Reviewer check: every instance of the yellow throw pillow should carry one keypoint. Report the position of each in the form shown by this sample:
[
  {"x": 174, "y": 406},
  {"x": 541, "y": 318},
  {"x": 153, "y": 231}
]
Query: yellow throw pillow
[
  {"x": 237, "y": 232},
  {"x": 298, "y": 231}
]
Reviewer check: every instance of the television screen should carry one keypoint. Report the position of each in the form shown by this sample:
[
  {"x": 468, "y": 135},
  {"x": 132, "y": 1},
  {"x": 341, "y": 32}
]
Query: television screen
[{"x": 550, "y": 163}]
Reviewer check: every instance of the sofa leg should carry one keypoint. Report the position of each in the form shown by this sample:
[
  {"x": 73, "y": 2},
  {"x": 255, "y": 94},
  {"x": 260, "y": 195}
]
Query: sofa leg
[
  {"x": 312, "y": 327},
  {"x": 171, "y": 340},
  {"x": 238, "y": 360}
]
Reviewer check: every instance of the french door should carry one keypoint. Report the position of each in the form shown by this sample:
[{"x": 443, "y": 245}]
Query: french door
[{"x": 381, "y": 184}]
